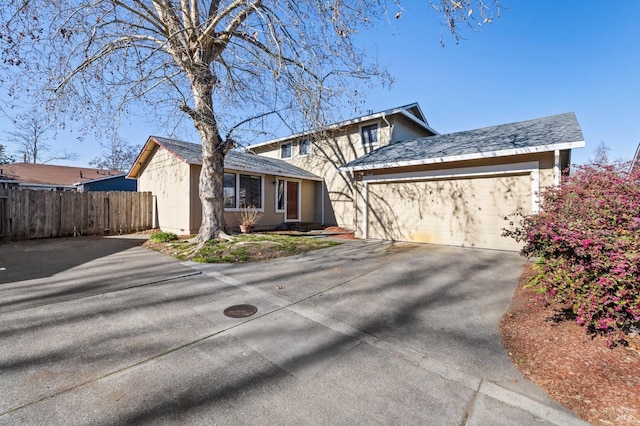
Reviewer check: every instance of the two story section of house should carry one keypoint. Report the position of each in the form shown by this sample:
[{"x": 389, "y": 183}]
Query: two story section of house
[
  {"x": 390, "y": 176},
  {"x": 323, "y": 151}
]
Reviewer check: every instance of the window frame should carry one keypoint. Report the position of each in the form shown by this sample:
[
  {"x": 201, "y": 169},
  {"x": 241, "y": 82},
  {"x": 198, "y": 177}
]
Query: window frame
[
  {"x": 280, "y": 183},
  {"x": 369, "y": 126},
  {"x": 282, "y": 146},
  {"x": 260, "y": 187},
  {"x": 237, "y": 191},
  {"x": 301, "y": 143}
]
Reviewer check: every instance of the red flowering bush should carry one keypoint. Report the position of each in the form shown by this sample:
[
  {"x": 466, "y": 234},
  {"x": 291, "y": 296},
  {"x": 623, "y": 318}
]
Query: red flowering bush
[{"x": 587, "y": 241}]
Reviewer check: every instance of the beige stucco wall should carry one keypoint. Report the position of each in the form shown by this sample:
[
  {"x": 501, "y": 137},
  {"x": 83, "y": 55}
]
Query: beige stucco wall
[
  {"x": 465, "y": 212},
  {"x": 405, "y": 129},
  {"x": 174, "y": 184},
  {"x": 168, "y": 179},
  {"x": 271, "y": 218},
  {"x": 454, "y": 211},
  {"x": 327, "y": 155}
]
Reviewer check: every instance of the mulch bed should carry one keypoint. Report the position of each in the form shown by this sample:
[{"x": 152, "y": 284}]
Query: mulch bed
[{"x": 599, "y": 384}]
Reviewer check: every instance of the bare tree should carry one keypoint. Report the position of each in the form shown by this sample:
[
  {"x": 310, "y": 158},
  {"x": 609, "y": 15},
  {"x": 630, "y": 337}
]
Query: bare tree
[
  {"x": 229, "y": 65},
  {"x": 117, "y": 154},
  {"x": 601, "y": 154},
  {"x": 30, "y": 136}
]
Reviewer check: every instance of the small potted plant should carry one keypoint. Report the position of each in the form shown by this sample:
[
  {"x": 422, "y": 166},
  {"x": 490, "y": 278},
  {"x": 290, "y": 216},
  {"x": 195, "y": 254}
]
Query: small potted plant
[{"x": 248, "y": 217}]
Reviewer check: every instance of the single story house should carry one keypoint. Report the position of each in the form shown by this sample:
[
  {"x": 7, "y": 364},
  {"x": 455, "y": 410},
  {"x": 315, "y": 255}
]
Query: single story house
[
  {"x": 63, "y": 178},
  {"x": 170, "y": 170}
]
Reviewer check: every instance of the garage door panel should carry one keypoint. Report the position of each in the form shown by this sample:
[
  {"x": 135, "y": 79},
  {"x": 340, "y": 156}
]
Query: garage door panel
[{"x": 465, "y": 212}]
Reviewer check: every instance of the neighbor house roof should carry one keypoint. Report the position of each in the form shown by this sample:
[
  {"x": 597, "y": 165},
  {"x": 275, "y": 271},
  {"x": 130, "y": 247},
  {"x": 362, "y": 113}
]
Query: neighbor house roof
[
  {"x": 410, "y": 111},
  {"x": 556, "y": 132},
  {"x": 51, "y": 175},
  {"x": 191, "y": 153}
]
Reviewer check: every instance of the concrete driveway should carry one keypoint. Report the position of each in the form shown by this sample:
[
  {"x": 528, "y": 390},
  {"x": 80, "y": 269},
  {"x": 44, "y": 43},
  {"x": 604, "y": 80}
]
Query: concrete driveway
[{"x": 102, "y": 331}]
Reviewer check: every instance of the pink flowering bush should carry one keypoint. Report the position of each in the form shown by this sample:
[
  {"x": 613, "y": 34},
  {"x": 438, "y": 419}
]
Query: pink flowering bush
[{"x": 587, "y": 241}]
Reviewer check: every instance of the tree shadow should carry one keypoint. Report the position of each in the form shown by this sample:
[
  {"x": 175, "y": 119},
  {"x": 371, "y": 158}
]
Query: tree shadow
[
  {"x": 402, "y": 296},
  {"x": 31, "y": 259}
]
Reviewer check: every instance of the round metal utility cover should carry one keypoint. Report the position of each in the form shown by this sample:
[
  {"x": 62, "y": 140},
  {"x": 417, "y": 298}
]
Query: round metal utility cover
[{"x": 240, "y": 311}]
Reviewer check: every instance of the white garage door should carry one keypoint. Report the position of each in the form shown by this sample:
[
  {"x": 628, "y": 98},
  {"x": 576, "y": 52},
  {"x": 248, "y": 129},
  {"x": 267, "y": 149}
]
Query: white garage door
[{"x": 466, "y": 212}]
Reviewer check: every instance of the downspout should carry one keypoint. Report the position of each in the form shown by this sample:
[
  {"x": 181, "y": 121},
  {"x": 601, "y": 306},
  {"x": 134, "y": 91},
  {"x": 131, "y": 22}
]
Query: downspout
[
  {"x": 364, "y": 209},
  {"x": 384, "y": 117},
  {"x": 322, "y": 202}
]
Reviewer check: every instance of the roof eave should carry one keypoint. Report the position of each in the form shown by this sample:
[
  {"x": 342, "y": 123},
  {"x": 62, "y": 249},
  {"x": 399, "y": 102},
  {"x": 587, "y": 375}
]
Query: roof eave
[
  {"x": 145, "y": 153},
  {"x": 271, "y": 172},
  {"x": 357, "y": 120},
  {"x": 100, "y": 179},
  {"x": 466, "y": 157},
  {"x": 46, "y": 185}
]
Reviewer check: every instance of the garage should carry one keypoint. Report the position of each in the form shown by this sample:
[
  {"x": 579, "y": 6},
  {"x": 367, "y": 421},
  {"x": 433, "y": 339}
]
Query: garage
[
  {"x": 457, "y": 188},
  {"x": 466, "y": 212}
]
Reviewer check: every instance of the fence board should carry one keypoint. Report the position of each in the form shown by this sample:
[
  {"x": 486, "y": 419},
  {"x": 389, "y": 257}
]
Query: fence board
[{"x": 27, "y": 214}]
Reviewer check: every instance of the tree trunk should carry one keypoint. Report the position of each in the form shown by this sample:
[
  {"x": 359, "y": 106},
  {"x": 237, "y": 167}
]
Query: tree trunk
[
  {"x": 214, "y": 149},
  {"x": 211, "y": 189}
]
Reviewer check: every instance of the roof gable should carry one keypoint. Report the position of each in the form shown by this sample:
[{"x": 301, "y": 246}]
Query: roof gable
[
  {"x": 191, "y": 153},
  {"x": 411, "y": 111},
  {"x": 539, "y": 135}
]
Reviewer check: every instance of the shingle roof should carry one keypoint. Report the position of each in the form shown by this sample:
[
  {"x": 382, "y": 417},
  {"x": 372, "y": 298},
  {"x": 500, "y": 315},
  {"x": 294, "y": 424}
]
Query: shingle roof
[
  {"x": 47, "y": 174},
  {"x": 191, "y": 153},
  {"x": 539, "y": 135}
]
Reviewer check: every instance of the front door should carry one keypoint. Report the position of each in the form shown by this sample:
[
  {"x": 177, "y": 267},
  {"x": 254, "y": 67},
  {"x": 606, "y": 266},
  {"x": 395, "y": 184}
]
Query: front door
[{"x": 292, "y": 200}]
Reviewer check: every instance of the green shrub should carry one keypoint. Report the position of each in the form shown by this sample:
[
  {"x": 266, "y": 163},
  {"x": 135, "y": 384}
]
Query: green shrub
[
  {"x": 587, "y": 239},
  {"x": 163, "y": 237}
]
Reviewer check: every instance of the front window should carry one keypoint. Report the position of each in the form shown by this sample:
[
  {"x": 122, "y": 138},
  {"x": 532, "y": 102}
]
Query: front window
[
  {"x": 280, "y": 195},
  {"x": 304, "y": 148},
  {"x": 250, "y": 192},
  {"x": 229, "y": 190},
  {"x": 369, "y": 134},
  {"x": 285, "y": 150}
]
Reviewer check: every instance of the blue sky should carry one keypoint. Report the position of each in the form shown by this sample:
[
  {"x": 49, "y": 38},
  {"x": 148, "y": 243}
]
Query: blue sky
[{"x": 539, "y": 58}]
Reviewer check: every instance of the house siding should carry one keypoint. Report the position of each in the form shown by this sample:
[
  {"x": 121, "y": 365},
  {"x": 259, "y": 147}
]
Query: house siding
[
  {"x": 405, "y": 129},
  {"x": 271, "y": 219},
  {"x": 465, "y": 211},
  {"x": 168, "y": 179},
  {"x": 327, "y": 155}
]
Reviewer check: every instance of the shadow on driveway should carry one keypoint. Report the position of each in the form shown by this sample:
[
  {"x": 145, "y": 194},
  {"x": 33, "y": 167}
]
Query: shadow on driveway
[
  {"x": 38, "y": 272},
  {"x": 363, "y": 333}
]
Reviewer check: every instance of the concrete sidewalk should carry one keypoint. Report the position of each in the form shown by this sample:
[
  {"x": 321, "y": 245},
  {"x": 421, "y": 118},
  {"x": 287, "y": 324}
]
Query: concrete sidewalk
[{"x": 363, "y": 333}]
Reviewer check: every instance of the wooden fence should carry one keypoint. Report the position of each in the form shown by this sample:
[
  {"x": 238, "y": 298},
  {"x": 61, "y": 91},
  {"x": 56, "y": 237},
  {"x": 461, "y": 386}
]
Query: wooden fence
[{"x": 27, "y": 214}]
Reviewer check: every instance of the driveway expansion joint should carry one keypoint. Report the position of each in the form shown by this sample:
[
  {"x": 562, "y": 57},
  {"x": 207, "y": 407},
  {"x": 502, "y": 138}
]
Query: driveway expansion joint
[{"x": 443, "y": 370}]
